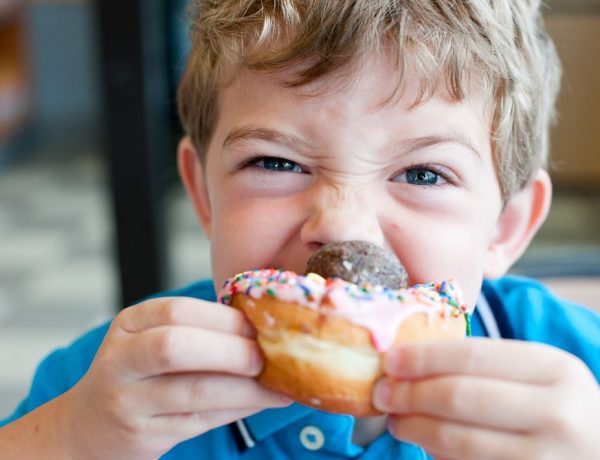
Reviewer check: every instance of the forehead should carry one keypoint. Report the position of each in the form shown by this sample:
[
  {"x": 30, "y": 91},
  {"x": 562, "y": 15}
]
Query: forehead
[{"x": 364, "y": 97}]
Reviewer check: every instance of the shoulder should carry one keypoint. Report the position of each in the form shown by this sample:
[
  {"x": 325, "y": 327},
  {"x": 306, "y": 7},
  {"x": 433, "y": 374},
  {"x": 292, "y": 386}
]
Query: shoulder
[
  {"x": 536, "y": 314},
  {"x": 523, "y": 297},
  {"x": 202, "y": 289}
]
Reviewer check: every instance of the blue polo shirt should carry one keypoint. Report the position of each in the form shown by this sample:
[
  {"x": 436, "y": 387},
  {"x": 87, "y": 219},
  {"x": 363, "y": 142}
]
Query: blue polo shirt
[{"x": 511, "y": 307}]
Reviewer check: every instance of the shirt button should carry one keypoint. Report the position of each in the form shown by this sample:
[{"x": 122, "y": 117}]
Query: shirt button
[{"x": 312, "y": 438}]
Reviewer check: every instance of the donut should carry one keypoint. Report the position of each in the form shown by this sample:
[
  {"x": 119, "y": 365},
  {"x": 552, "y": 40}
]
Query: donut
[
  {"x": 323, "y": 338},
  {"x": 359, "y": 262}
]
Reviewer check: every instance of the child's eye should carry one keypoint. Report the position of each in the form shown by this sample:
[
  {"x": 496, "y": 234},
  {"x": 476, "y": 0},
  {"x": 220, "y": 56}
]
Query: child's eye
[
  {"x": 276, "y": 164},
  {"x": 422, "y": 175}
]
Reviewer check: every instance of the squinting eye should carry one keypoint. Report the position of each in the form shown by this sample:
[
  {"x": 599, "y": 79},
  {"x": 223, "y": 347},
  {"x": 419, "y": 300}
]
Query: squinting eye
[
  {"x": 421, "y": 177},
  {"x": 277, "y": 164}
]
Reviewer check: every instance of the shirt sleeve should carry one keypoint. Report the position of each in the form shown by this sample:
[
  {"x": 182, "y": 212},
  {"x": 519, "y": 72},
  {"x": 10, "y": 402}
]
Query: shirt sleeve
[
  {"x": 60, "y": 371},
  {"x": 64, "y": 367},
  {"x": 536, "y": 314}
]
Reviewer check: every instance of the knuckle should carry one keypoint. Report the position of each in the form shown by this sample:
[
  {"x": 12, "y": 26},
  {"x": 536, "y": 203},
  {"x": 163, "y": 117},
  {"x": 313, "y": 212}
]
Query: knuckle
[
  {"x": 122, "y": 318},
  {"x": 409, "y": 360},
  {"x": 448, "y": 440},
  {"x": 469, "y": 446},
  {"x": 165, "y": 349},
  {"x": 170, "y": 311},
  {"x": 442, "y": 438},
  {"x": 117, "y": 406},
  {"x": 203, "y": 422},
  {"x": 454, "y": 397},
  {"x": 573, "y": 366},
  {"x": 418, "y": 359},
  {"x": 106, "y": 361},
  {"x": 252, "y": 360},
  {"x": 198, "y": 390},
  {"x": 475, "y": 358},
  {"x": 566, "y": 366},
  {"x": 561, "y": 420}
]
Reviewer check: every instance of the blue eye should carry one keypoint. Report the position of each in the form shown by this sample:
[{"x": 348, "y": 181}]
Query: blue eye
[
  {"x": 277, "y": 164},
  {"x": 425, "y": 175},
  {"x": 421, "y": 177}
]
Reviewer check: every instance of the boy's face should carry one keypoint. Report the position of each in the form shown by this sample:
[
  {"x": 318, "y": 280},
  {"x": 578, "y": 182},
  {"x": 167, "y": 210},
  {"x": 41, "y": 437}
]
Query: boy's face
[{"x": 288, "y": 171}]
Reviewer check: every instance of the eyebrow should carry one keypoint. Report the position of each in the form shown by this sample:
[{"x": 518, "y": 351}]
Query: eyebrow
[
  {"x": 242, "y": 133},
  {"x": 249, "y": 132},
  {"x": 410, "y": 145}
]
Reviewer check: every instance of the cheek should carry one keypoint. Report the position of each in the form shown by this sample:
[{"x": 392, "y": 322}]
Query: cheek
[
  {"x": 250, "y": 233},
  {"x": 450, "y": 248}
]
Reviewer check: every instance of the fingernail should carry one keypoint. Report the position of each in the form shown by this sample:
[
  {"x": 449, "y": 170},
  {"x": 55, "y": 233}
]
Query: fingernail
[
  {"x": 390, "y": 361},
  {"x": 257, "y": 361},
  {"x": 396, "y": 362},
  {"x": 283, "y": 400},
  {"x": 248, "y": 330},
  {"x": 381, "y": 395}
]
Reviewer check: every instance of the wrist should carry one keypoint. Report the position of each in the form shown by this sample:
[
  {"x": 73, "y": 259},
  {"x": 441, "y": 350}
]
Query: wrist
[{"x": 37, "y": 434}]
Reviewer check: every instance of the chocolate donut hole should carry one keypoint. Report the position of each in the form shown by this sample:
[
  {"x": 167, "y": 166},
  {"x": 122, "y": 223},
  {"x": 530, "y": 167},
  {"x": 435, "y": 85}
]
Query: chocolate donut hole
[{"x": 358, "y": 262}]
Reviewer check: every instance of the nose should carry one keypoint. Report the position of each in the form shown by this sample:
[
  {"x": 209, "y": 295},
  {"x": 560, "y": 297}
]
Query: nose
[{"x": 341, "y": 214}]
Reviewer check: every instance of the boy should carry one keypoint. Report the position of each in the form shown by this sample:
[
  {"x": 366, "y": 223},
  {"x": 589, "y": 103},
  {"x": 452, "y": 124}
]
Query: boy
[{"x": 418, "y": 125}]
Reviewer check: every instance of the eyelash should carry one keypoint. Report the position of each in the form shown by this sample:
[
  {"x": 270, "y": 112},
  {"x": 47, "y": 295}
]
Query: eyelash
[
  {"x": 435, "y": 169},
  {"x": 252, "y": 163}
]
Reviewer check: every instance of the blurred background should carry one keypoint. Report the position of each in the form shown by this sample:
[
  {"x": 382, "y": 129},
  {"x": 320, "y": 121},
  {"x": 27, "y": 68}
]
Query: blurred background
[{"x": 92, "y": 216}]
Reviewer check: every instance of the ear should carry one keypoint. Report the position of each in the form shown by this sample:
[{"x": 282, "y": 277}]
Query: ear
[
  {"x": 522, "y": 216},
  {"x": 192, "y": 174}
]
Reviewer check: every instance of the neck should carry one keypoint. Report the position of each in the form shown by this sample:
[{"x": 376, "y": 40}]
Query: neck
[{"x": 367, "y": 429}]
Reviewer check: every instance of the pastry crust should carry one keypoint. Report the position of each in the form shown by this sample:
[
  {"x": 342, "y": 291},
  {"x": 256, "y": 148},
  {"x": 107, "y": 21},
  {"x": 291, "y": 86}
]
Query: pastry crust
[{"x": 326, "y": 361}]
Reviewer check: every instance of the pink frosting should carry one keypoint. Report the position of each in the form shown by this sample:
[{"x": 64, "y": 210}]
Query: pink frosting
[{"x": 378, "y": 309}]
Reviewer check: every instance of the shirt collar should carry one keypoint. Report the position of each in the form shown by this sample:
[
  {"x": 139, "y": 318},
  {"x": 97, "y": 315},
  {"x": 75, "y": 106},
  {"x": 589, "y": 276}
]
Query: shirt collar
[
  {"x": 263, "y": 424},
  {"x": 336, "y": 428}
]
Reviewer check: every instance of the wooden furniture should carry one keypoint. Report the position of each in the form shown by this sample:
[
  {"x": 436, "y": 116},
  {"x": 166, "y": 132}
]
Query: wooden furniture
[
  {"x": 15, "y": 79},
  {"x": 575, "y": 144}
]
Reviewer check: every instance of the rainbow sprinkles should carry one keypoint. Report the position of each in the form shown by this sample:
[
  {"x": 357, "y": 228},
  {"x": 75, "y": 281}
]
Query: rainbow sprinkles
[{"x": 381, "y": 310}]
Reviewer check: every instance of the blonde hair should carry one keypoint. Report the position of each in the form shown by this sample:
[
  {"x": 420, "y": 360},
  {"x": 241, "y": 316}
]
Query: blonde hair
[{"x": 501, "y": 43}]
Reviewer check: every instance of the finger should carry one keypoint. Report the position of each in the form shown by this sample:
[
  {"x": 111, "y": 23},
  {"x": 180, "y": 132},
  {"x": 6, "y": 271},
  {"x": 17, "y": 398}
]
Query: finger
[
  {"x": 195, "y": 392},
  {"x": 184, "y": 311},
  {"x": 174, "y": 349},
  {"x": 536, "y": 363},
  {"x": 480, "y": 401},
  {"x": 189, "y": 425},
  {"x": 465, "y": 442}
]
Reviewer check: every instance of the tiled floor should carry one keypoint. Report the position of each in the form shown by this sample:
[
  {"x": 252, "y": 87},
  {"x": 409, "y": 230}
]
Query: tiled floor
[{"x": 57, "y": 271}]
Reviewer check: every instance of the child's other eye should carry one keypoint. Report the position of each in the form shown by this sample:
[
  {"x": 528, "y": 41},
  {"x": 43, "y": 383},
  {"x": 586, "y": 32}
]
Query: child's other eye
[
  {"x": 421, "y": 175},
  {"x": 276, "y": 164}
]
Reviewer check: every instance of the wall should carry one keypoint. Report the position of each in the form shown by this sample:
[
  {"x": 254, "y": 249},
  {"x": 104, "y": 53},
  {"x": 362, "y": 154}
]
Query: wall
[{"x": 576, "y": 140}]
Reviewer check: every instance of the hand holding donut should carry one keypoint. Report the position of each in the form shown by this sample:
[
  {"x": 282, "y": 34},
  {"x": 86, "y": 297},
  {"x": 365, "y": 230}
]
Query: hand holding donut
[
  {"x": 169, "y": 369},
  {"x": 323, "y": 338},
  {"x": 484, "y": 399}
]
